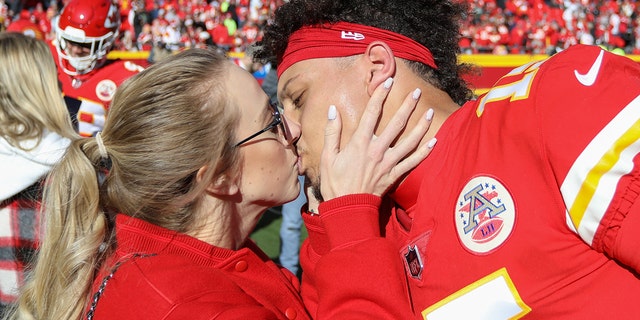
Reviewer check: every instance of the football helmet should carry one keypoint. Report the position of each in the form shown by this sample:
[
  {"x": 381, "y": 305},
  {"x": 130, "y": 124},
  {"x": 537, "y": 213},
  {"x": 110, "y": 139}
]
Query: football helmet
[{"x": 91, "y": 25}]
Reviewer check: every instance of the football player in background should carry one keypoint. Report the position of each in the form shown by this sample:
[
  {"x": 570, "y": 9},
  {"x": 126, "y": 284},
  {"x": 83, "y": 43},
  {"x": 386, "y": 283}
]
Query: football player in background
[{"x": 85, "y": 33}]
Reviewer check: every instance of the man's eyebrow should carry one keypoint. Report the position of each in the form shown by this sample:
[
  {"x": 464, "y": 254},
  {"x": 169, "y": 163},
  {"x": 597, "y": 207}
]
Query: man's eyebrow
[{"x": 286, "y": 84}]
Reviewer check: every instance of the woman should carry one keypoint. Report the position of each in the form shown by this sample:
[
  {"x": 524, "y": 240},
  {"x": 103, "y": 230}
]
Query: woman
[
  {"x": 194, "y": 154},
  {"x": 34, "y": 132}
]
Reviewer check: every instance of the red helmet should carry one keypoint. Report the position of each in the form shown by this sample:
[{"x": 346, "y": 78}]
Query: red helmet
[
  {"x": 27, "y": 27},
  {"x": 91, "y": 24}
]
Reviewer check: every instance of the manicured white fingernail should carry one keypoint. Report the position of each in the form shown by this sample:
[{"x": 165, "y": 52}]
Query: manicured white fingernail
[
  {"x": 388, "y": 83},
  {"x": 432, "y": 142},
  {"x": 333, "y": 113},
  {"x": 429, "y": 114},
  {"x": 416, "y": 94}
]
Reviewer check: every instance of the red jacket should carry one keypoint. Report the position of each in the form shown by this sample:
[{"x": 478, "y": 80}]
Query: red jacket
[{"x": 161, "y": 274}]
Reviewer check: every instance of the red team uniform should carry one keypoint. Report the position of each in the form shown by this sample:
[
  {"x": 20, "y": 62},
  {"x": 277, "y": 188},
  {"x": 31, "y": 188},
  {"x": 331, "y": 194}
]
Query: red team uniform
[
  {"x": 527, "y": 207},
  {"x": 90, "y": 100},
  {"x": 89, "y": 82}
]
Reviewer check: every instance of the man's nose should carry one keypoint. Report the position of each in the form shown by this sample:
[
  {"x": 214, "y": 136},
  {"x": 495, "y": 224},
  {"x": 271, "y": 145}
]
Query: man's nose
[{"x": 75, "y": 51}]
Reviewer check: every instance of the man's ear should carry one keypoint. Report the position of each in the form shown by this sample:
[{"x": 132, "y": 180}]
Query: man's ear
[
  {"x": 222, "y": 185},
  {"x": 382, "y": 64}
]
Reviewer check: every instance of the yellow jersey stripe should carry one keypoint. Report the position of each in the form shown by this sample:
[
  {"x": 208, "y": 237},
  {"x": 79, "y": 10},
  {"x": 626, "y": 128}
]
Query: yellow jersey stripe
[{"x": 590, "y": 184}]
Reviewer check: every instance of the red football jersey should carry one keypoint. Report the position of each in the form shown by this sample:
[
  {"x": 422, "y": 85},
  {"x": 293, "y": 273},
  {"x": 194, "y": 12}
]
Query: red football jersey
[
  {"x": 527, "y": 206},
  {"x": 88, "y": 96}
]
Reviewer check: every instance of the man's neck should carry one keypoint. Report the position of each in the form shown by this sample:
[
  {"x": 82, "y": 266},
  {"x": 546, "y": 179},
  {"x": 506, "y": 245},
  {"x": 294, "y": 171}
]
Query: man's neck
[{"x": 430, "y": 98}]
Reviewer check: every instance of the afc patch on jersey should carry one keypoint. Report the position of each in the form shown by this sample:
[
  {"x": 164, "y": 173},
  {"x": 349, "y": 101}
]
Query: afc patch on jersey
[
  {"x": 106, "y": 89},
  {"x": 485, "y": 215}
]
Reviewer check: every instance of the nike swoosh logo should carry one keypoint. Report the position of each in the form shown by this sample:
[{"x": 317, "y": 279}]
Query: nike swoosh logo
[{"x": 589, "y": 78}]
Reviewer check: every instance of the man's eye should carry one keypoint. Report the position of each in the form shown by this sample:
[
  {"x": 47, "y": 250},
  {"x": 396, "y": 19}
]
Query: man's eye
[{"x": 296, "y": 103}]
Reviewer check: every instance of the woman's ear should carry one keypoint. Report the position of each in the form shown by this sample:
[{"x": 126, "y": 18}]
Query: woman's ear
[
  {"x": 221, "y": 185},
  {"x": 382, "y": 64}
]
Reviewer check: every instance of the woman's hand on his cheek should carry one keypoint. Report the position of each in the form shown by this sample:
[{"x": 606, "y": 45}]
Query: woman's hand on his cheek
[{"x": 368, "y": 163}]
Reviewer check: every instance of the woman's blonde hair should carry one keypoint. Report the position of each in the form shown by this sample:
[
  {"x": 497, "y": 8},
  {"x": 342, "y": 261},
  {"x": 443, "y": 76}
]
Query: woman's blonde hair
[
  {"x": 164, "y": 124},
  {"x": 30, "y": 96}
]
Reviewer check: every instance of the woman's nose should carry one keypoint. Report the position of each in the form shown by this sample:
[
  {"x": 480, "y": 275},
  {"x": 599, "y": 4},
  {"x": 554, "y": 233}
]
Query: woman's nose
[{"x": 292, "y": 130}]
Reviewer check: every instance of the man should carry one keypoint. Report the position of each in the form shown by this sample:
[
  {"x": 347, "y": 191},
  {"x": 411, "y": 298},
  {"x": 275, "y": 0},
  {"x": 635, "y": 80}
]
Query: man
[
  {"x": 526, "y": 207},
  {"x": 85, "y": 33}
]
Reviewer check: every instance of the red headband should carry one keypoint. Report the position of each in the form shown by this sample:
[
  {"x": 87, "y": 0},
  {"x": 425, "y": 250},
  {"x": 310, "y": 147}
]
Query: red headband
[{"x": 344, "y": 39}]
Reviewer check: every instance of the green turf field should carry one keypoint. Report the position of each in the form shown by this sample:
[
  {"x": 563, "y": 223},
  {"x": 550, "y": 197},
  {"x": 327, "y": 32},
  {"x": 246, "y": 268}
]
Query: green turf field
[{"x": 267, "y": 233}]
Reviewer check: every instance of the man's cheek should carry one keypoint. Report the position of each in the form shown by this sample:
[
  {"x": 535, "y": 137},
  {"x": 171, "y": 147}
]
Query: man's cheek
[{"x": 313, "y": 130}]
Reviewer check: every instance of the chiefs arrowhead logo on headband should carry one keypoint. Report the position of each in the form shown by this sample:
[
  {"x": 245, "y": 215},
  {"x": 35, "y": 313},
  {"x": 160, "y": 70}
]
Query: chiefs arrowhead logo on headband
[
  {"x": 342, "y": 39},
  {"x": 352, "y": 35}
]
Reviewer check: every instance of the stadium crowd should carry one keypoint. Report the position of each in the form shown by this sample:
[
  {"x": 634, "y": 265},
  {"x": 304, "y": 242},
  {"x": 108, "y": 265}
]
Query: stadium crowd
[
  {"x": 166, "y": 25},
  {"x": 494, "y": 26},
  {"x": 548, "y": 26}
]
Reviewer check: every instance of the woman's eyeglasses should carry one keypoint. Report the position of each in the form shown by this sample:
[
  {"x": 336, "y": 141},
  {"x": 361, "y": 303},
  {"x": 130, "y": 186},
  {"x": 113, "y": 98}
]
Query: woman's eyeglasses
[{"x": 277, "y": 120}]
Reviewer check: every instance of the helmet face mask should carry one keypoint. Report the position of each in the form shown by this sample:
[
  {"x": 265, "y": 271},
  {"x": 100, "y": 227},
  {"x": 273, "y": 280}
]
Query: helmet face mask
[
  {"x": 81, "y": 64},
  {"x": 85, "y": 32}
]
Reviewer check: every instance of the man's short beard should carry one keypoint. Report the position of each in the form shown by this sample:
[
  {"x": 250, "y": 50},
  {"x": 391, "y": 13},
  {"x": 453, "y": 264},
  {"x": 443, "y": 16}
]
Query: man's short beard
[{"x": 315, "y": 190}]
